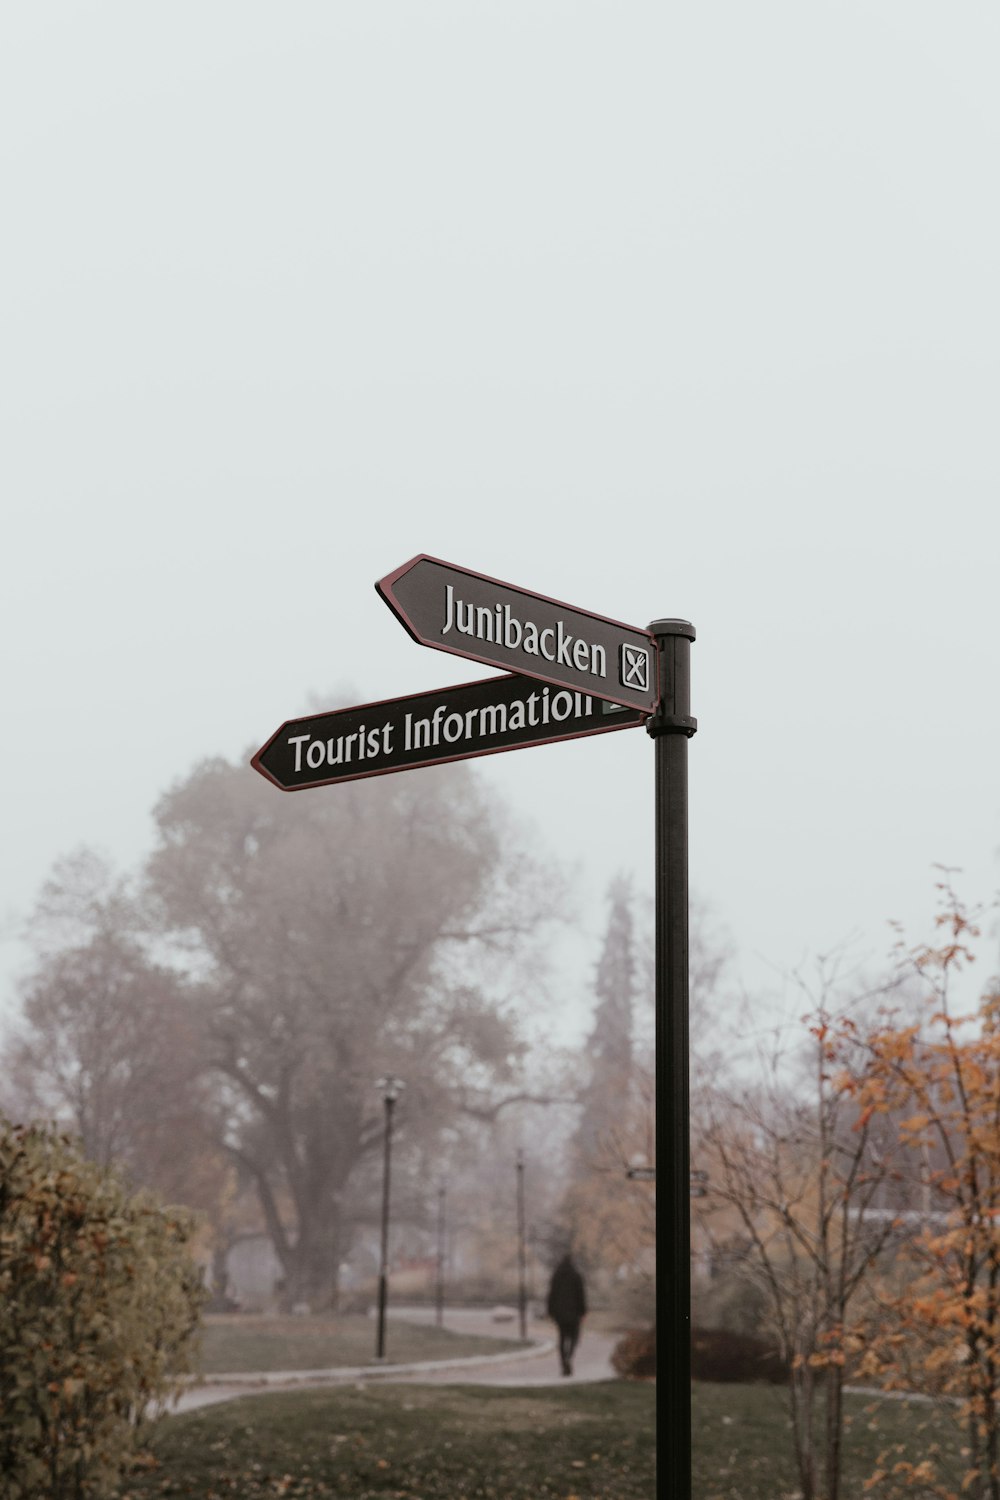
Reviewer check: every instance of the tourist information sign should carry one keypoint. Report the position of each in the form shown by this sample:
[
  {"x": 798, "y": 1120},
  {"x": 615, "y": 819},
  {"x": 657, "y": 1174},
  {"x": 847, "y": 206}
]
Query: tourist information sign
[
  {"x": 456, "y": 723},
  {"x": 453, "y": 609}
]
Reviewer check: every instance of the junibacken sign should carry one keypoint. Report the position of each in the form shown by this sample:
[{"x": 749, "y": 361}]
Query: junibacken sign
[{"x": 471, "y": 615}]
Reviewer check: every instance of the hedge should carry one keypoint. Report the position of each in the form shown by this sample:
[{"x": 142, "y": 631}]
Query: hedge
[{"x": 99, "y": 1306}]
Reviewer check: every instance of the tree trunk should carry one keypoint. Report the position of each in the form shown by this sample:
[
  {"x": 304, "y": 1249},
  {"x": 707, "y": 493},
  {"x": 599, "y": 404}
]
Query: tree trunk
[
  {"x": 834, "y": 1428},
  {"x": 314, "y": 1262},
  {"x": 801, "y": 1397}
]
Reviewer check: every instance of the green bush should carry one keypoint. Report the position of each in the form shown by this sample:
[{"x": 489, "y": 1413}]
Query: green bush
[{"x": 99, "y": 1304}]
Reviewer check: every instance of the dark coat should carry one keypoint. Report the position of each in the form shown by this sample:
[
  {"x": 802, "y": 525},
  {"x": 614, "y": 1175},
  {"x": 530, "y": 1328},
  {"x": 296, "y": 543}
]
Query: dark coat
[{"x": 567, "y": 1299}]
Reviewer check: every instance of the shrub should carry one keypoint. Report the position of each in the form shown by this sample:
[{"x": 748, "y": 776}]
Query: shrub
[
  {"x": 716, "y": 1354},
  {"x": 99, "y": 1303},
  {"x": 732, "y": 1299},
  {"x": 634, "y": 1355},
  {"x": 720, "y": 1354}
]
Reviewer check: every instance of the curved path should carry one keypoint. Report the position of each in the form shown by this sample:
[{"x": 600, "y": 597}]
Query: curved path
[{"x": 536, "y": 1366}]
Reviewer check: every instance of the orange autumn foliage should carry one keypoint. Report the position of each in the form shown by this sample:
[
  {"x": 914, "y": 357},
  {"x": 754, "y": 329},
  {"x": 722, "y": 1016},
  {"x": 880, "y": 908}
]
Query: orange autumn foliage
[{"x": 934, "y": 1325}]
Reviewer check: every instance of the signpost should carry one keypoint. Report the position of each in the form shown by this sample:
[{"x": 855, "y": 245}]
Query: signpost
[
  {"x": 671, "y": 727},
  {"x": 577, "y": 674},
  {"x": 424, "y": 729},
  {"x": 471, "y": 615}
]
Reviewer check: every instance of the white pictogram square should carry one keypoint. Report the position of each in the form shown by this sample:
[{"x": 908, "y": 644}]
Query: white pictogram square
[{"x": 634, "y": 668}]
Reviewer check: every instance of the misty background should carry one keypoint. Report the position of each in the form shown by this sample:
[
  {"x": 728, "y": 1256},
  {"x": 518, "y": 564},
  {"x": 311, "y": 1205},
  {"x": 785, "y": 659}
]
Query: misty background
[{"x": 659, "y": 311}]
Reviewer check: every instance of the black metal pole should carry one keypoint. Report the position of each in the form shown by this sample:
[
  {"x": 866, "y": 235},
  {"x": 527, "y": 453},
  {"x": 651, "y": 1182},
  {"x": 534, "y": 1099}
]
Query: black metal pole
[
  {"x": 383, "y": 1275},
  {"x": 671, "y": 727},
  {"x": 439, "y": 1289},
  {"x": 522, "y": 1299}
]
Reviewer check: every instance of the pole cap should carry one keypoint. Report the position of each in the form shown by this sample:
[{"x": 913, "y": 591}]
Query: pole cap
[{"x": 672, "y": 627}]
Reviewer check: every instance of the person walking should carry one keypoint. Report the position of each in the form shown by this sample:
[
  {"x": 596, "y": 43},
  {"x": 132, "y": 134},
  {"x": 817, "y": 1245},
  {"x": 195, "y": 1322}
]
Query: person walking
[{"x": 567, "y": 1307}]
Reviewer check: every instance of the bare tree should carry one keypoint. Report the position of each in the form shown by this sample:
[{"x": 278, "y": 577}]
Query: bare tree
[{"x": 799, "y": 1169}]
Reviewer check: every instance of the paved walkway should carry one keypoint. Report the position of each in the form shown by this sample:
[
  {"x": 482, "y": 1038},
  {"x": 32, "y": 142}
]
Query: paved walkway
[
  {"x": 540, "y": 1366},
  {"x": 533, "y": 1367}
]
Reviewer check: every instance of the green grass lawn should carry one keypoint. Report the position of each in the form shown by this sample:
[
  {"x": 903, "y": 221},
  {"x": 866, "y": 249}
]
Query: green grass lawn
[
  {"x": 593, "y": 1442},
  {"x": 237, "y": 1344},
  {"x": 742, "y": 1443},
  {"x": 411, "y": 1443}
]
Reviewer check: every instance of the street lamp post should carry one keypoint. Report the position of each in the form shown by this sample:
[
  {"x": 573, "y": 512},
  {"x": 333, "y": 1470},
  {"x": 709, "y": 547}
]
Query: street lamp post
[
  {"x": 522, "y": 1300},
  {"x": 391, "y": 1088},
  {"x": 439, "y": 1289}
]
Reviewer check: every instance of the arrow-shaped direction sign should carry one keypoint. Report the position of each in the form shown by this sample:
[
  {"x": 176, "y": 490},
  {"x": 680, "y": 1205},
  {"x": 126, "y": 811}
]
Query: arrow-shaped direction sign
[
  {"x": 497, "y": 623},
  {"x": 424, "y": 729}
]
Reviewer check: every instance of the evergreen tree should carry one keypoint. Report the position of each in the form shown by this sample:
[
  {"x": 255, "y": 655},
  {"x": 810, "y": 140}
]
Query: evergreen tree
[{"x": 608, "y": 1049}]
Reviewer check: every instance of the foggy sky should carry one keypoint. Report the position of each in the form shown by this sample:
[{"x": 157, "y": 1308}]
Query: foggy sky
[{"x": 658, "y": 310}]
